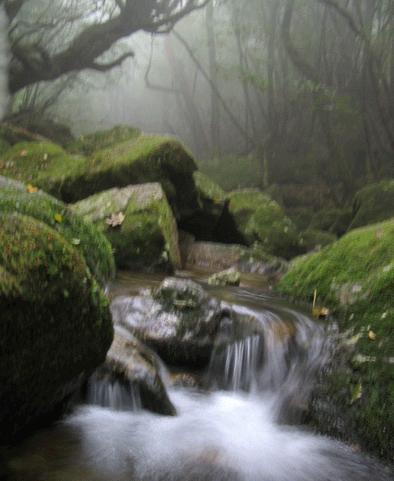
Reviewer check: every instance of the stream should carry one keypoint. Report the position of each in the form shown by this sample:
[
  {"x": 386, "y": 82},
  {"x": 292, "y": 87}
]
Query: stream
[{"x": 242, "y": 426}]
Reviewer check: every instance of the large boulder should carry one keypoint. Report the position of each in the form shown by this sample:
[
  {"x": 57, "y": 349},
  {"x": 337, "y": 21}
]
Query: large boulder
[
  {"x": 374, "y": 203},
  {"x": 83, "y": 235},
  {"x": 354, "y": 277},
  {"x": 139, "y": 223},
  {"x": 260, "y": 219},
  {"x": 136, "y": 161},
  {"x": 180, "y": 322},
  {"x": 137, "y": 370},
  {"x": 55, "y": 325}
]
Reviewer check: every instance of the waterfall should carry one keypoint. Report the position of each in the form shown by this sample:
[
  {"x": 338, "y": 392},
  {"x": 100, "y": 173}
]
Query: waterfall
[{"x": 3, "y": 63}]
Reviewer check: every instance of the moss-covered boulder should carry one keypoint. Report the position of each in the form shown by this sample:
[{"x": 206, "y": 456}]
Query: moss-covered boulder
[
  {"x": 82, "y": 234},
  {"x": 311, "y": 239},
  {"x": 139, "y": 223},
  {"x": 261, "y": 219},
  {"x": 373, "y": 203},
  {"x": 55, "y": 326},
  {"x": 90, "y": 143},
  {"x": 211, "y": 221},
  {"x": 355, "y": 278},
  {"x": 136, "y": 161}
]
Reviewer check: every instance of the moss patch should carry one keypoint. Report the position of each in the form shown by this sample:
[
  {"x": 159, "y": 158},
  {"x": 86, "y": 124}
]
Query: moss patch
[
  {"x": 82, "y": 234},
  {"x": 55, "y": 325},
  {"x": 74, "y": 177},
  {"x": 355, "y": 278},
  {"x": 207, "y": 188},
  {"x": 260, "y": 219},
  {"x": 146, "y": 238},
  {"x": 373, "y": 204},
  {"x": 90, "y": 143}
]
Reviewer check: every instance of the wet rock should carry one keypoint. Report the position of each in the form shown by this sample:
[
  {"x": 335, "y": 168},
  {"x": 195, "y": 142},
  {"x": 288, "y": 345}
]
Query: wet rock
[
  {"x": 180, "y": 322},
  {"x": 139, "y": 223},
  {"x": 55, "y": 325},
  {"x": 229, "y": 277},
  {"x": 138, "y": 369}
]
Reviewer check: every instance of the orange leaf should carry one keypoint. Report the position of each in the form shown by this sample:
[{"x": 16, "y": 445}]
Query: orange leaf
[{"x": 31, "y": 189}]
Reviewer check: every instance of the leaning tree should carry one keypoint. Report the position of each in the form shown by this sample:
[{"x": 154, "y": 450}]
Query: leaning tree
[{"x": 52, "y": 38}]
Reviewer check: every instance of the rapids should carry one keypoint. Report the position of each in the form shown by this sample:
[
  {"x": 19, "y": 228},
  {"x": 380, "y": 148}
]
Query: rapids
[{"x": 241, "y": 427}]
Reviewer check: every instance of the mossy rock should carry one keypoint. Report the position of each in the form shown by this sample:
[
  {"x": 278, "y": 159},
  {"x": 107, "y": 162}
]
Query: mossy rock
[
  {"x": 90, "y": 143},
  {"x": 355, "y": 278},
  {"x": 208, "y": 189},
  {"x": 4, "y": 146},
  {"x": 261, "y": 219},
  {"x": 373, "y": 203},
  {"x": 86, "y": 238},
  {"x": 137, "y": 161},
  {"x": 209, "y": 222},
  {"x": 139, "y": 223},
  {"x": 55, "y": 325},
  {"x": 313, "y": 239}
]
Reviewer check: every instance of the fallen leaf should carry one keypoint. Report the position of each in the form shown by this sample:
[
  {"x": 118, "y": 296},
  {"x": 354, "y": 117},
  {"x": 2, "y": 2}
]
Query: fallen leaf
[
  {"x": 320, "y": 312},
  {"x": 76, "y": 242},
  {"x": 31, "y": 189},
  {"x": 371, "y": 336},
  {"x": 115, "y": 220},
  {"x": 24, "y": 153},
  {"x": 58, "y": 218}
]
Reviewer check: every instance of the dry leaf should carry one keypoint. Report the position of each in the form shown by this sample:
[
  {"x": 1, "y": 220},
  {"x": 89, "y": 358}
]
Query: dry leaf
[
  {"x": 31, "y": 189},
  {"x": 371, "y": 336},
  {"x": 58, "y": 218},
  {"x": 24, "y": 153},
  {"x": 115, "y": 220}
]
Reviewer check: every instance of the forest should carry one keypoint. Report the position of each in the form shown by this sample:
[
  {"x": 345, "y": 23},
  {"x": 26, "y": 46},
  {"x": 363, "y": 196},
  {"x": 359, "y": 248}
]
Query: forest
[{"x": 196, "y": 240}]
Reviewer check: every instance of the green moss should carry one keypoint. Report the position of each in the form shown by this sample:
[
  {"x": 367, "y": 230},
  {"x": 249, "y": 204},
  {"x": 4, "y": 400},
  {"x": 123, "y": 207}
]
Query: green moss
[
  {"x": 147, "y": 237},
  {"x": 355, "y": 278},
  {"x": 373, "y": 204},
  {"x": 55, "y": 324},
  {"x": 82, "y": 234},
  {"x": 90, "y": 143},
  {"x": 260, "y": 219},
  {"x": 207, "y": 188},
  {"x": 43, "y": 164},
  {"x": 71, "y": 178},
  {"x": 312, "y": 239}
]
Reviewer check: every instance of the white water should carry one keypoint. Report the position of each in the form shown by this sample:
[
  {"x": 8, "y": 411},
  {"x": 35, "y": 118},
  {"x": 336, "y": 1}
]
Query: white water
[
  {"x": 3, "y": 63},
  {"x": 237, "y": 434}
]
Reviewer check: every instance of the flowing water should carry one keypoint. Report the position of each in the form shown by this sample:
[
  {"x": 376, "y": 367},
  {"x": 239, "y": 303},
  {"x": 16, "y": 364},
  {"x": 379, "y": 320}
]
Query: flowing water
[{"x": 240, "y": 428}]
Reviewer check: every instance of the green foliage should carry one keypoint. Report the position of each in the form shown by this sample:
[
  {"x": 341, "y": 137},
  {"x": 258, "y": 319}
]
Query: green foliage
[
  {"x": 373, "y": 203},
  {"x": 233, "y": 172},
  {"x": 49, "y": 303},
  {"x": 312, "y": 239},
  {"x": 90, "y": 143},
  {"x": 355, "y": 278},
  {"x": 82, "y": 234},
  {"x": 261, "y": 219}
]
